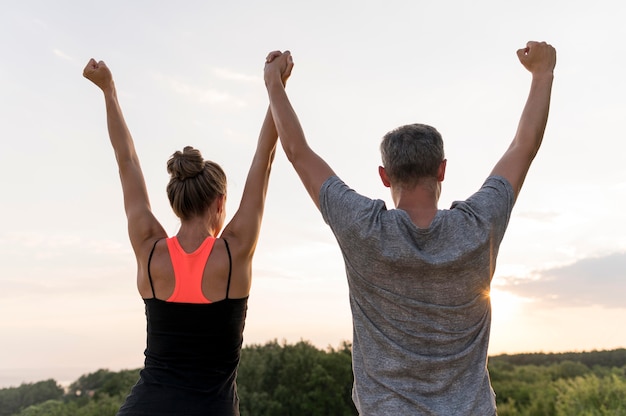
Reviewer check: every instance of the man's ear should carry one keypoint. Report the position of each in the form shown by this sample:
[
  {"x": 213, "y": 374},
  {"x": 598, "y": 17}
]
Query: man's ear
[
  {"x": 441, "y": 172},
  {"x": 384, "y": 177}
]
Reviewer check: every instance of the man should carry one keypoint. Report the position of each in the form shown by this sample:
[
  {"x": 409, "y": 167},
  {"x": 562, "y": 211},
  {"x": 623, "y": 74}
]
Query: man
[{"x": 419, "y": 277}]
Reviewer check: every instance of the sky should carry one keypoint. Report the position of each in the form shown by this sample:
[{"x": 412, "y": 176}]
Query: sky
[{"x": 191, "y": 73}]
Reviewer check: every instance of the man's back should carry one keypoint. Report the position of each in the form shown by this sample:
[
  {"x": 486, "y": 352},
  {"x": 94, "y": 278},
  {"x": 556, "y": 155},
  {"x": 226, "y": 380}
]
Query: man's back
[
  {"x": 420, "y": 299},
  {"x": 420, "y": 339}
]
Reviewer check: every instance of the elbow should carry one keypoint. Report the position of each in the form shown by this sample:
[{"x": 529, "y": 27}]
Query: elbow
[
  {"x": 292, "y": 152},
  {"x": 527, "y": 147}
]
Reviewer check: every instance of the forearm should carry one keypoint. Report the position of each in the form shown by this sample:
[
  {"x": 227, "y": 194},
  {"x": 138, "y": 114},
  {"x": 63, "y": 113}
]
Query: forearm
[
  {"x": 534, "y": 117},
  {"x": 131, "y": 176},
  {"x": 120, "y": 136},
  {"x": 258, "y": 176},
  {"x": 246, "y": 222},
  {"x": 287, "y": 124},
  {"x": 311, "y": 168},
  {"x": 268, "y": 138},
  {"x": 516, "y": 161}
]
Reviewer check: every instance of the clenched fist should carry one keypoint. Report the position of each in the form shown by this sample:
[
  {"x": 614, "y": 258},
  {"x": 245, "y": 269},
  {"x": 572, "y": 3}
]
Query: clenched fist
[
  {"x": 538, "y": 57},
  {"x": 99, "y": 74}
]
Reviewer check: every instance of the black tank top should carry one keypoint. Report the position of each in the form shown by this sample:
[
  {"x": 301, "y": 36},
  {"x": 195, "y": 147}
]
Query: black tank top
[{"x": 191, "y": 358}]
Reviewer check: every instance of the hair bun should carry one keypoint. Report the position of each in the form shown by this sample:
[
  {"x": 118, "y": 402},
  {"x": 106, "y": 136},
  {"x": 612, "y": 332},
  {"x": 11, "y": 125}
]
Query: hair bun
[{"x": 186, "y": 164}]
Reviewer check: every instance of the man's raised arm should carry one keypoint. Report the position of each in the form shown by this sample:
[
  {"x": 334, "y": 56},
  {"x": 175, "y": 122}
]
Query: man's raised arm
[
  {"x": 311, "y": 168},
  {"x": 539, "y": 58}
]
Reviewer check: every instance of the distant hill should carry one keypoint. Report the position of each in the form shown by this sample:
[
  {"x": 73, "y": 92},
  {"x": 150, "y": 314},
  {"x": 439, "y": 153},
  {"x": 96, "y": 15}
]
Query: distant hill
[{"x": 606, "y": 358}]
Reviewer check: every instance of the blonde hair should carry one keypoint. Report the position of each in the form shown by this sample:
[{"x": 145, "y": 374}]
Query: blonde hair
[{"x": 194, "y": 183}]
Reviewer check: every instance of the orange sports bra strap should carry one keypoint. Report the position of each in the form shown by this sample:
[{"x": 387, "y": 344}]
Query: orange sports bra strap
[{"x": 230, "y": 267}]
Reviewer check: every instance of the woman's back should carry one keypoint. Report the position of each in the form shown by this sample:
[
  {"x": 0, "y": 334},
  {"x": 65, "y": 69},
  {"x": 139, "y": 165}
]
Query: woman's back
[
  {"x": 206, "y": 257},
  {"x": 193, "y": 348}
]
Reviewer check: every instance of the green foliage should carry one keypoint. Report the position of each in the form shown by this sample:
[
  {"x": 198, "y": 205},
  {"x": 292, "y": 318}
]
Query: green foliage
[
  {"x": 522, "y": 390},
  {"x": 103, "y": 382},
  {"x": 273, "y": 379},
  {"x": 12, "y": 400},
  {"x": 612, "y": 358},
  {"x": 591, "y": 396},
  {"x": 103, "y": 406},
  {"x": 299, "y": 379},
  {"x": 295, "y": 379},
  {"x": 95, "y": 394},
  {"x": 558, "y": 388},
  {"x": 47, "y": 408}
]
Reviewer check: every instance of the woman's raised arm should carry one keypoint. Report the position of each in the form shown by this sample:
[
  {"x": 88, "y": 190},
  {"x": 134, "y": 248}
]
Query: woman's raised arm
[{"x": 142, "y": 225}]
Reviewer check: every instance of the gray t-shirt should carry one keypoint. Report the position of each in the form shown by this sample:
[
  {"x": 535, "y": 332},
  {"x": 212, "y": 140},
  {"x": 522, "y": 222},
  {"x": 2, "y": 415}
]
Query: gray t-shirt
[{"x": 420, "y": 299}]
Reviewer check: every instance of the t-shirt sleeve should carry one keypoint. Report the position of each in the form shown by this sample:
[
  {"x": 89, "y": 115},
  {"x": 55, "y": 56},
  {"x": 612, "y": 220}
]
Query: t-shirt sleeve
[
  {"x": 493, "y": 203},
  {"x": 342, "y": 206}
]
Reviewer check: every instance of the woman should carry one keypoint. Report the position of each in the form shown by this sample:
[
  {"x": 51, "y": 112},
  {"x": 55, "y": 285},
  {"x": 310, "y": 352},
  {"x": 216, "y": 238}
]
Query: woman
[{"x": 195, "y": 285}]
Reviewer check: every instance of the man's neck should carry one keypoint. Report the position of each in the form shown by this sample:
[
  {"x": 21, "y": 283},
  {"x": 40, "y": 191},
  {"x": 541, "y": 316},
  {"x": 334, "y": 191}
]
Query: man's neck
[{"x": 420, "y": 203}]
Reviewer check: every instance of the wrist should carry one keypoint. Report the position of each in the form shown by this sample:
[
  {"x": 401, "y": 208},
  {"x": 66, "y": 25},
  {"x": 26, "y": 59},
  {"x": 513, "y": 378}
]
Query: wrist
[
  {"x": 273, "y": 78},
  {"x": 108, "y": 88},
  {"x": 543, "y": 76}
]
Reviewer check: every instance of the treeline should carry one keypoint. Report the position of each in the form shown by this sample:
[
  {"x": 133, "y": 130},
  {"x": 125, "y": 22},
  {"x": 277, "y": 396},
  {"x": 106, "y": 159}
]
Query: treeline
[
  {"x": 300, "y": 379},
  {"x": 612, "y": 358},
  {"x": 568, "y": 384},
  {"x": 274, "y": 380},
  {"x": 295, "y": 380}
]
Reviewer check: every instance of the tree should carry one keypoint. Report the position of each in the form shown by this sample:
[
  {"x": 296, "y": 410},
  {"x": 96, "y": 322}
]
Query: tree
[
  {"x": 104, "y": 382},
  {"x": 14, "y": 399},
  {"x": 591, "y": 396},
  {"x": 295, "y": 379}
]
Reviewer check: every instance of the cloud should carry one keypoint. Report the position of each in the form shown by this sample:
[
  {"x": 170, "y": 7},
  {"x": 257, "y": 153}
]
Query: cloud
[
  {"x": 34, "y": 264},
  {"x": 234, "y": 76},
  {"x": 597, "y": 281},
  {"x": 34, "y": 242},
  {"x": 202, "y": 95},
  {"x": 62, "y": 55},
  {"x": 542, "y": 216}
]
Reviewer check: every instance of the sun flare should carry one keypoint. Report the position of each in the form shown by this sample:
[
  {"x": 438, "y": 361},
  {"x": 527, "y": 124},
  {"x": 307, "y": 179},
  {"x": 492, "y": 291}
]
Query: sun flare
[{"x": 505, "y": 305}]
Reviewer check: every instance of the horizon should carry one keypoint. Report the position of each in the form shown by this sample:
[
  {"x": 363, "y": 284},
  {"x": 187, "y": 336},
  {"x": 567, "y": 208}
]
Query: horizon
[
  {"x": 192, "y": 74},
  {"x": 7, "y": 381}
]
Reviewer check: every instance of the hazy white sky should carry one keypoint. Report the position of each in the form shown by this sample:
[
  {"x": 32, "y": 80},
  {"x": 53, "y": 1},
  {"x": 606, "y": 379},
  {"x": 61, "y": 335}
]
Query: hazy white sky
[{"x": 190, "y": 73}]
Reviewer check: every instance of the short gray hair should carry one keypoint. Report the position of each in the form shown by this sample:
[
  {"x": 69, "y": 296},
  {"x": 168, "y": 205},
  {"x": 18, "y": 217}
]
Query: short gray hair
[{"x": 411, "y": 153}]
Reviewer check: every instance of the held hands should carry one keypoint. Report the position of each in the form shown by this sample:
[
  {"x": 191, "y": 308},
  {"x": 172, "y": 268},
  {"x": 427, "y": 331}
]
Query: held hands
[
  {"x": 538, "y": 57},
  {"x": 99, "y": 74},
  {"x": 278, "y": 65}
]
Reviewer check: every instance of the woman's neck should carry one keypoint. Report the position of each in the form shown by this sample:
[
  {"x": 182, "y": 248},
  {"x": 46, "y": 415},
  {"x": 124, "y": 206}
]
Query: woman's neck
[{"x": 193, "y": 232}]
